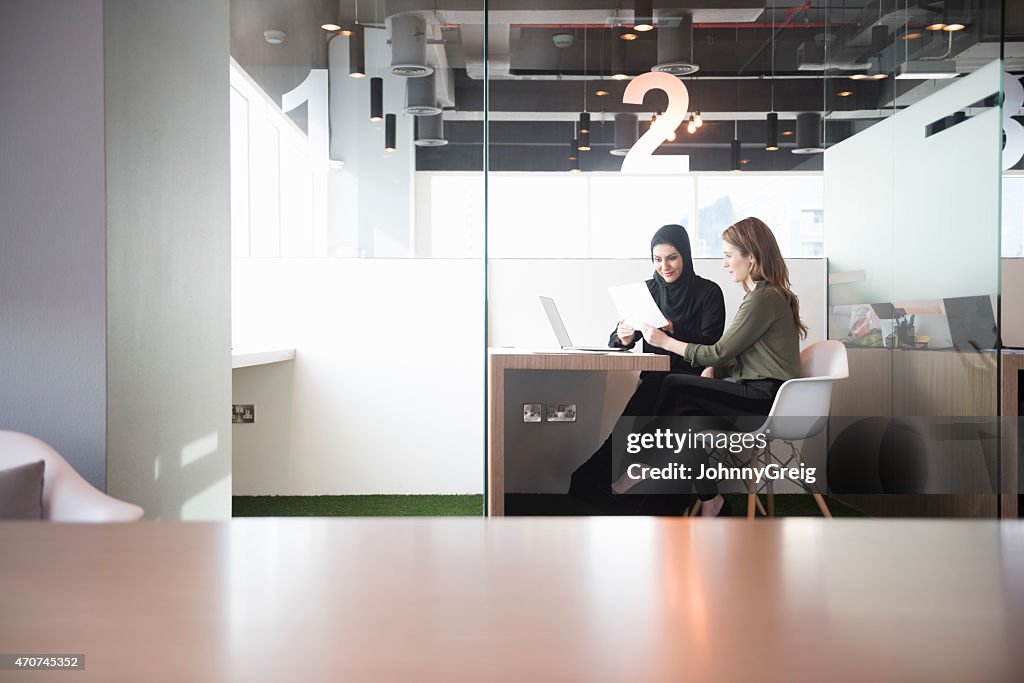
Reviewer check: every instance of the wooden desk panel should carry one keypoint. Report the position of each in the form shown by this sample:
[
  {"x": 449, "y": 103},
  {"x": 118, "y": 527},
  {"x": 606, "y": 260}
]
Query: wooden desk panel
[
  {"x": 501, "y": 360},
  {"x": 922, "y": 383},
  {"x": 513, "y": 600}
]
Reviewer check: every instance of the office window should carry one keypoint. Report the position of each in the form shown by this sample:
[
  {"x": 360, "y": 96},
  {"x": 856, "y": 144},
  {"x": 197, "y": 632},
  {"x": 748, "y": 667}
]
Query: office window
[
  {"x": 791, "y": 205},
  {"x": 609, "y": 215},
  {"x": 277, "y": 200}
]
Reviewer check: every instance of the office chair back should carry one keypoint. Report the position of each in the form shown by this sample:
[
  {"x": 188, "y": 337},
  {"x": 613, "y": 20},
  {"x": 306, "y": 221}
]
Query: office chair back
[{"x": 802, "y": 405}]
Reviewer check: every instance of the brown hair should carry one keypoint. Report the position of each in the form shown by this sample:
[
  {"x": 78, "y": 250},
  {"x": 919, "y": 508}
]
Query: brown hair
[{"x": 755, "y": 239}]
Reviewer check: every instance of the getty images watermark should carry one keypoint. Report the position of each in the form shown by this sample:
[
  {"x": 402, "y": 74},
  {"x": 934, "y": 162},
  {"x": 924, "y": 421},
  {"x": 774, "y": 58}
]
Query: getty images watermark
[{"x": 661, "y": 444}]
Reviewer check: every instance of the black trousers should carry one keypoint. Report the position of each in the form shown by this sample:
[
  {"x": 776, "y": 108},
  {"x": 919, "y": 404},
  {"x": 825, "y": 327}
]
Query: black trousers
[
  {"x": 592, "y": 481},
  {"x": 727, "y": 405}
]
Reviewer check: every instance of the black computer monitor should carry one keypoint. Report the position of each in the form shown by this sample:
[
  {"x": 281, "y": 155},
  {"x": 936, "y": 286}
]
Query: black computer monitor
[{"x": 972, "y": 324}]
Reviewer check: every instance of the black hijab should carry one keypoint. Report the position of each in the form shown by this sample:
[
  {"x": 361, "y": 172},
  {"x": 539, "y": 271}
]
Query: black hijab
[{"x": 675, "y": 299}]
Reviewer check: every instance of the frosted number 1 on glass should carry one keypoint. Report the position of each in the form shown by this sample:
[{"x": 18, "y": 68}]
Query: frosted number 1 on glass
[{"x": 640, "y": 158}]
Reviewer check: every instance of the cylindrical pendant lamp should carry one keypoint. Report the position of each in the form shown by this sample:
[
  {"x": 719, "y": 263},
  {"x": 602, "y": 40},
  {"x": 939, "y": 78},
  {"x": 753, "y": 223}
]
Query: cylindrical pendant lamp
[
  {"x": 584, "y": 142},
  {"x": 356, "y": 54},
  {"x": 574, "y": 151},
  {"x": 771, "y": 139},
  {"x": 619, "y": 72},
  {"x": 643, "y": 15},
  {"x": 389, "y": 133},
  {"x": 376, "y": 99},
  {"x": 584, "y": 122},
  {"x": 735, "y": 150}
]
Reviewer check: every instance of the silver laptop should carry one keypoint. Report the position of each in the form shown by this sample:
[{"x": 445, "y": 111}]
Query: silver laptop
[{"x": 563, "y": 335}]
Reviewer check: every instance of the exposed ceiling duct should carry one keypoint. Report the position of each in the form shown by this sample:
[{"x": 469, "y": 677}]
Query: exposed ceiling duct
[
  {"x": 408, "y": 34},
  {"x": 429, "y": 131},
  {"x": 675, "y": 48},
  {"x": 627, "y": 131},
  {"x": 421, "y": 96}
]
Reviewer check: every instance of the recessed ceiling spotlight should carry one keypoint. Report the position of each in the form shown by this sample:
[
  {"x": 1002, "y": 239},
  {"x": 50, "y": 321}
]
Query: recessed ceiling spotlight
[
  {"x": 844, "y": 93},
  {"x": 953, "y": 27},
  {"x": 937, "y": 26},
  {"x": 858, "y": 77},
  {"x": 600, "y": 93},
  {"x": 330, "y": 27},
  {"x": 912, "y": 36}
]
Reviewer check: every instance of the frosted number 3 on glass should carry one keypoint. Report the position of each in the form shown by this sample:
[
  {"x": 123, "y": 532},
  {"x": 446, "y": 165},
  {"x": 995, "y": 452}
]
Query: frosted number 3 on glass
[{"x": 640, "y": 158}]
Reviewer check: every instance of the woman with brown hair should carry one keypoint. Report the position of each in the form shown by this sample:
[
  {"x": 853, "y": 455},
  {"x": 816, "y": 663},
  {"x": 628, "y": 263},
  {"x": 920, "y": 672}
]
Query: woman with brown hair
[{"x": 758, "y": 351}]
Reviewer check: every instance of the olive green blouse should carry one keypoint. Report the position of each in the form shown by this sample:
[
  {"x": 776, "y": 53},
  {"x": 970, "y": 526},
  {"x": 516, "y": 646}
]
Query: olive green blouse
[{"x": 761, "y": 342}]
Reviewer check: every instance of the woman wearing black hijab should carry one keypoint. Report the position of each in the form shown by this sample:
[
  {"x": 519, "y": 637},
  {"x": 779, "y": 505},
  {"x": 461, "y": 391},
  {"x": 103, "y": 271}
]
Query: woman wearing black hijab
[{"x": 695, "y": 309}]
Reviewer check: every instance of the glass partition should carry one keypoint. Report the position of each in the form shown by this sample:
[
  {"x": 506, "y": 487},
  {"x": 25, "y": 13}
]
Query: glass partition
[{"x": 912, "y": 205}]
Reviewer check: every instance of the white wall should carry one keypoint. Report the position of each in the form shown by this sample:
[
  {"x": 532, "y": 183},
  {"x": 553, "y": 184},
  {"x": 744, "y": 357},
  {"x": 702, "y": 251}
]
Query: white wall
[
  {"x": 386, "y": 393},
  {"x": 168, "y": 256},
  {"x": 52, "y": 231}
]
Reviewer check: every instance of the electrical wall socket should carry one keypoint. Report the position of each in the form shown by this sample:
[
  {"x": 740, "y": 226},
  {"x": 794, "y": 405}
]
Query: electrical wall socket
[
  {"x": 561, "y": 412},
  {"x": 243, "y": 413},
  {"x": 533, "y": 412}
]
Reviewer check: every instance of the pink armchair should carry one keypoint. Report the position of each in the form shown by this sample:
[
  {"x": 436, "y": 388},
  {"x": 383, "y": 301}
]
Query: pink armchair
[{"x": 67, "y": 497}]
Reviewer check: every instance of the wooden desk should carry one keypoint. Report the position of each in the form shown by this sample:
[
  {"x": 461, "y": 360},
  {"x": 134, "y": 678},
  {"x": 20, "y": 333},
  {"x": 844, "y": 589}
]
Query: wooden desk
[
  {"x": 517, "y": 599},
  {"x": 501, "y": 360}
]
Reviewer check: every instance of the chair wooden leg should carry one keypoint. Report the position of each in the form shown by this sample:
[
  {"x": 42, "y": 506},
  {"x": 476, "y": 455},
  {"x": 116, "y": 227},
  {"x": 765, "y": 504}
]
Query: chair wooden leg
[
  {"x": 822, "y": 506},
  {"x": 695, "y": 510},
  {"x": 771, "y": 499},
  {"x": 814, "y": 491},
  {"x": 752, "y": 501},
  {"x": 760, "y": 506}
]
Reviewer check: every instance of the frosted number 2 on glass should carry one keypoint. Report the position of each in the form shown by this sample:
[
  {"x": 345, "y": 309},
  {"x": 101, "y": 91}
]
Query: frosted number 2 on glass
[{"x": 640, "y": 158}]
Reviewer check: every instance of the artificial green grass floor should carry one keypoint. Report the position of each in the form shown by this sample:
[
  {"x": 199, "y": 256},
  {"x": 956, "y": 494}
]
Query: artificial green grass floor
[{"x": 786, "y": 505}]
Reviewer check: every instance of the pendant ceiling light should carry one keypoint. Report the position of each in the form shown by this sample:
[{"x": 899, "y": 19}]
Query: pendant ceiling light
[
  {"x": 356, "y": 54},
  {"x": 376, "y": 99},
  {"x": 771, "y": 138},
  {"x": 574, "y": 153},
  {"x": 389, "y": 133},
  {"x": 585, "y": 115},
  {"x": 771, "y": 143},
  {"x": 625, "y": 33},
  {"x": 619, "y": 61},
  {"x": 643, "y": 15},
  {"x": 584, "y": 145}
]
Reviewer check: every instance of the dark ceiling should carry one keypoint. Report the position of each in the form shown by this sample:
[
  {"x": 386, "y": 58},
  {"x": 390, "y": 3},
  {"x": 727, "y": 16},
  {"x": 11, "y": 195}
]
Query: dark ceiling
[{"x": 789, "y": 57}]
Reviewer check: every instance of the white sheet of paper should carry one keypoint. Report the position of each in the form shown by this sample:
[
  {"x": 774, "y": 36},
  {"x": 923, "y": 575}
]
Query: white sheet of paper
[{"x": 636, "y": 305}]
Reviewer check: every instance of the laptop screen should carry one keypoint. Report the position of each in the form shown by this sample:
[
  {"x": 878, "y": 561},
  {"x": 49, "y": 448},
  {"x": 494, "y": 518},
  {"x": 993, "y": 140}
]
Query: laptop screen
[{"x": 561, "y": 334}]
